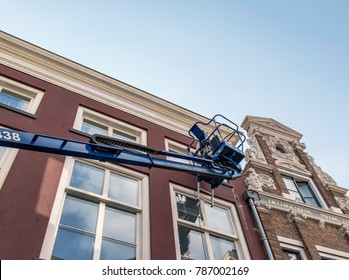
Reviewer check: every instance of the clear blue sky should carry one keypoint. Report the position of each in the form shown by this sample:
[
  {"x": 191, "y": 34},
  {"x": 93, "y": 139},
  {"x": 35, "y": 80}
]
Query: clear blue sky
[{"x": 288, "y": 60}]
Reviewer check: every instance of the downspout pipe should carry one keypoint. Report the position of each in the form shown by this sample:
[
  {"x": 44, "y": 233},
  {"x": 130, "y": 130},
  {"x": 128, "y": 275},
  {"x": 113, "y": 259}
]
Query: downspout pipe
[{"x": 250, "y": 195}]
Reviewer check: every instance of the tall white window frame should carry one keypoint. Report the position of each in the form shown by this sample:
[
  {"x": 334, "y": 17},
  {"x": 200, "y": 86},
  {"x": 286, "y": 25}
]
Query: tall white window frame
[
  {"x": 22, "y": 92},
  {"x": 140, "y": 211},
  {"x": 109, "y": 126},
  {"x": 209, "y": 234}
]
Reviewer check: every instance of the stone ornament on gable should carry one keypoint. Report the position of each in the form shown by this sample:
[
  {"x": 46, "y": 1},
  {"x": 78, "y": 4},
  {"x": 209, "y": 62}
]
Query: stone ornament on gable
[
  {"x": 324, "y": 177},
  {"x": 299, "y": 145},
  {"x": 343, "y": 202},
  {"x": 258, "y": 181},
  {"x": 282, "y": 151},
  {"x": 344, "y": 230},
  {"x": 254, "y": 151},
  {"x": 253, "y": 131}
]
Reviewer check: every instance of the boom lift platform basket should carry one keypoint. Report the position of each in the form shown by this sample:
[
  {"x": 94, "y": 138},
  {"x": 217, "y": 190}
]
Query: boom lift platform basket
[{"x": 220, "y": 142}]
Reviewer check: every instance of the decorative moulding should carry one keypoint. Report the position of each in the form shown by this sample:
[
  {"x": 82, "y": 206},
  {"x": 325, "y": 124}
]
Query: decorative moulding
[
  {"x": 336, "y": 188},
  {"x": 310, "y": 212},
  {"x": 271, "y": 127},
  {"x": 258, "y": 181},
  {"x": 259, "y": 165},
  {"x": 344, "y": 230},
  {"x": 293, "y": 168},
  {"x": 322, "y": 223},
  {"x": 254, "y": 152},
  {"x": 343, "y": 202},
  {"x": 336, "y": 210},
  {"x": 283, "y": 153},
  {"x": 293, "y": 216}
]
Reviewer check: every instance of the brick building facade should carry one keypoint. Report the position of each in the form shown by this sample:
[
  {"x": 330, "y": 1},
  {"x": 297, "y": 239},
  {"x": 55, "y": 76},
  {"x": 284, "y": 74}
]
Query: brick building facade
[
  {"x": 304, "y": 213},
  {"x": 61, "y": 207}
]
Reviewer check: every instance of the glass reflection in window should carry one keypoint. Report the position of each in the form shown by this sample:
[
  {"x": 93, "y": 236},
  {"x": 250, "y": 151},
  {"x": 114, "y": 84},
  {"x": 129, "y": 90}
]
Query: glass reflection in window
[
  {"x": 113, "y": 250},
  {"x": 93, "y": 128},
  {"x": 223, "y": 249},
  {"x": 218, "y": 219},
  {"x": 188, "y": 209},
  {"x": 119, "y": 235},
  {"x": 123, "y": 189},
  {"x": 192, "y": 244},
  {"x": 73, "y": 245},
  {"x": 123, "y": 136},
  {"x": 75, "y": 237},
  {"x": 14, "y": 100},
  {"x": 79, "y": 213},
  {"x": 87, "y": 177},
  {"x": 120, "y": 225}
]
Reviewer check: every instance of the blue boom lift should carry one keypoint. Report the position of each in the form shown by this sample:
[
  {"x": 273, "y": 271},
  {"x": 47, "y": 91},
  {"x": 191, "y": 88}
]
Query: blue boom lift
[{"x": 217, "y": 156}]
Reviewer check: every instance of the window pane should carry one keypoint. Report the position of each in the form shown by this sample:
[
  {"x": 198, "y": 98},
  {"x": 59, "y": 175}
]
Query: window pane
[
  {"x": 296, "y": 194},
  {"x": 123, "y": 189},
  {"x": 191, "y": 244},
  {"x": 124, "y": 136},
  {"x": 120, "y": 225},
  {"x": 290, "y": 184},
  {"x": 188, "y": 209},
  {"x": 311, "y": 201},
  {"x": 79, "y": 213},
  {"x": 93, "y": 128},
  {"x": 307, "y": 194},
  {"x": 14, "y": 100},
  {"x": 304, "y": 189},
  {"x": 218, "y": 219},
  {"x": 112, "y": 250},
  {"x": 223, "y": 249},
  {"x": 73, "y": 245},
  {"x": 2, "y": 151},
  {"x": 87, "y": 177}
]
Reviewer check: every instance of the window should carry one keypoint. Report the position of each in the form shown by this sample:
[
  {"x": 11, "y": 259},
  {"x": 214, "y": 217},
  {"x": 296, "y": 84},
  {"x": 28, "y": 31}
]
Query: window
[
  {"x": 19, "y": 97},
  {"x": 301, "y": 190},
  {"x": 205, "y": 232},
  {"x": 292, "y": 249},
  {"x": 90, "y": 122},
  {"x": 178, "y": 148},
  {"x": 331, "y": 254},
  {"x": 101, "y": 214}
]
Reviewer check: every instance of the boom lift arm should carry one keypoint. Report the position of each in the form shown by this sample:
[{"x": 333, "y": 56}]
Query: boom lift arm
[{"x": 213, "y": 168}]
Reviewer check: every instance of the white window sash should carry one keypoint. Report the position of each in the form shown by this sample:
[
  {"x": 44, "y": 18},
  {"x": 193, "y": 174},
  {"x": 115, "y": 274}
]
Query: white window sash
[
  {"x": 238, "y": 237},
  {"x": 141, "y": 212}
]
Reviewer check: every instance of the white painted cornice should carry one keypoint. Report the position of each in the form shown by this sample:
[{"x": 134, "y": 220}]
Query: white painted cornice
[{"x": 40, "y": 63}]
